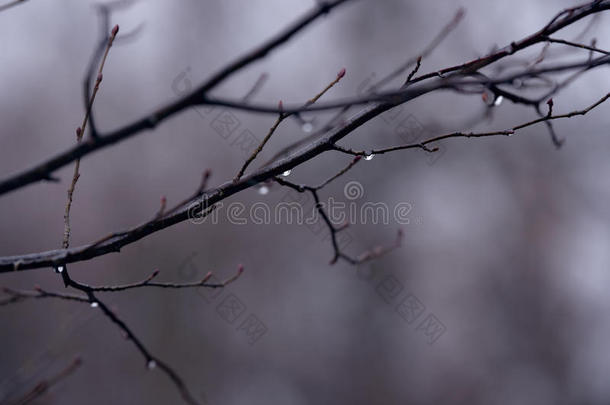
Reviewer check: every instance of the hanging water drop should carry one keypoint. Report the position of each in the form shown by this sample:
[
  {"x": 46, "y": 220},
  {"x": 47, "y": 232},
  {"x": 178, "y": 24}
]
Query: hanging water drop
[
  {"x": 370, "y": 156},
  {"x": 94, "y": 304},
  {"x": 498, "y": 100},
  {"x": 263, "y": 190},
  {"x": 151, "y": 364},
  {"x": 286, "y": 173},
  {"x": 59, "y": 269},
  {"x": 307, "y": 127}
]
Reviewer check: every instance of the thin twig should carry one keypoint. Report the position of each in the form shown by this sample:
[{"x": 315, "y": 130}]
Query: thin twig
[
  {"x": 148, "y": 283},
  {"x": 577, "y": 45},
  {"x": 43, "y": 386},
  {"x": 80, "y": 131},
  {"x": 38, "y": 293},
  {"x": 335, "y": 230}
]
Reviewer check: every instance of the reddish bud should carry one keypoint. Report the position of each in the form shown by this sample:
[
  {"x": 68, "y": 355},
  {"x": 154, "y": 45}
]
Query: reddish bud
[
  {"x": 79, "y": 132},
  {"x": 115, "y": 30},
  {"x": 155, "y": 274},
  {"x": 207, "y": 277},
  {"x": 100, "y": 76},
  {"x": 357, "y": 158},
  {"x": 550, "y": 102},
  {"x": 485, "y": 97},
  {"x": 341, "y": 73},
  {"x": 280, "y": 106},
  {"x": 240, "y": 269},
  {"x": 37, "y": 288}
]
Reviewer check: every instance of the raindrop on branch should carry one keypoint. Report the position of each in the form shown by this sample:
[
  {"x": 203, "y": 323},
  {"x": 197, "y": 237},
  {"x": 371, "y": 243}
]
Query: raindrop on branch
[
  {"x": 370, "y": 156},
  {"x": 307, "y": 127},
  {"x": 263, "y": 190},
  {"x": 151, "y": 364},
  {"x": 94, "y": 304},
  {"x": 59, "y": 269},
  {"x": 286, "y": 173},
  {"x": 498, "y": 101}
]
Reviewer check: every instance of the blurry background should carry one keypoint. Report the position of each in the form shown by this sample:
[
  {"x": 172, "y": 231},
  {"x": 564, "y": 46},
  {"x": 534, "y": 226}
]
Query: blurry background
[{"x": 506, "y": 247}]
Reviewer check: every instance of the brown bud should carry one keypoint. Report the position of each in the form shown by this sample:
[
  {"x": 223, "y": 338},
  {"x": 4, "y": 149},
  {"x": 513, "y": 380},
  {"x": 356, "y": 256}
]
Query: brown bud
[{"x": 341, "y": 73}]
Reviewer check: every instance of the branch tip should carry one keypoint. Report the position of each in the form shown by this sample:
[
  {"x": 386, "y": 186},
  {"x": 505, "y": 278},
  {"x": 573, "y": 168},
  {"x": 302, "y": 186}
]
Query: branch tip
[{"x": 207, "y": 277}]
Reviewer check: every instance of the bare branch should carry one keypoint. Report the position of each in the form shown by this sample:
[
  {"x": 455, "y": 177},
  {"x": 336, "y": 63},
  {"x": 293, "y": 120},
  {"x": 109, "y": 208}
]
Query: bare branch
[
  {"x": 80, "y": 131},
  {"x": 44, "y": 170},
  {"x": 43, "y": 386}
]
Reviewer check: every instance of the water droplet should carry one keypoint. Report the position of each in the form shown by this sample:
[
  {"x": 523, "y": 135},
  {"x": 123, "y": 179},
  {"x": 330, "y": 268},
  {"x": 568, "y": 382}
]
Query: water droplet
[
  {"x": 59, "y": 269},
  {"x": 286, "y": 173},
  {"x": 94, "y": 304},
  {"x": 498, "y": 100},
  {"x": 263, "y": 190},
  {"x": 151, "y": 364},
  {"x": 370, "y": 156},
  {"x": 307, "y": 127}
]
